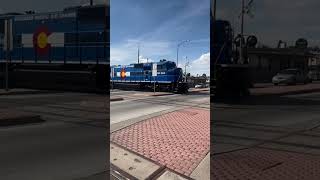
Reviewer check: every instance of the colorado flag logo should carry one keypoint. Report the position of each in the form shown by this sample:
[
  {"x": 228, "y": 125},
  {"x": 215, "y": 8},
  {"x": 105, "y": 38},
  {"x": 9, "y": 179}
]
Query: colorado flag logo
[{"x": 42, "y": 40}]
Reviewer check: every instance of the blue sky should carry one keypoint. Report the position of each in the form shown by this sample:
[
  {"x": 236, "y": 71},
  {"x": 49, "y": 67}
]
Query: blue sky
[{"x": 158, "y": 26}]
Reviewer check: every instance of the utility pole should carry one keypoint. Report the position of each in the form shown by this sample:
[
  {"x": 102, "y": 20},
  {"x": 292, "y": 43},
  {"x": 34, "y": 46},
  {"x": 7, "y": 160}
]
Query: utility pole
[
  {"x": 213, "y": 12},
  {"x": 8, "y": 56},
  {"x": 106, "y": 27},
  {"x": 178, "y": 46},
  {"x": 241, "y": 33},
  {"x": 7, "y": 47},
  {"x": 185, "y": 68},
  {"x": 91, "y": 2}
]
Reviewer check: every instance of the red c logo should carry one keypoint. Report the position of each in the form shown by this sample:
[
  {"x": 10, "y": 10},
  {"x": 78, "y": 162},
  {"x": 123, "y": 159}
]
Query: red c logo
[
  {"x": 123, "y": 73},
  {"x": 40, "y": 40}
]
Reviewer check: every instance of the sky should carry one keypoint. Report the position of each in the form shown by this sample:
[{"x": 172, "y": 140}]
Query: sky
[
  {"x": 275, "y": 20},
  {"x": 157, "y": 27}
]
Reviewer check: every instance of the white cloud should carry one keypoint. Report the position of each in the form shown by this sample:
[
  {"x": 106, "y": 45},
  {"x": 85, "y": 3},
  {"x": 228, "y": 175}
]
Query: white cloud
[
  {"x": 204, "y": 59},
  {"x": 201, "y": 65}
]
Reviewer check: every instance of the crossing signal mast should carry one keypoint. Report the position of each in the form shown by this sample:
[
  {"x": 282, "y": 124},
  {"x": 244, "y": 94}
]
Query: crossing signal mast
[
  {"x": 245, "y": 9},
  {"x": 231, "y": 78}
]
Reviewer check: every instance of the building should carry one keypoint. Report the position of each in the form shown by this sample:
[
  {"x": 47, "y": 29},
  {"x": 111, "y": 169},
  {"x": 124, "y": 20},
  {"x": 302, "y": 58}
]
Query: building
[
  {"x": 315, "y": 60},
  {"x": 192, "y": 81},
  {"x": 266, "y": 62}
]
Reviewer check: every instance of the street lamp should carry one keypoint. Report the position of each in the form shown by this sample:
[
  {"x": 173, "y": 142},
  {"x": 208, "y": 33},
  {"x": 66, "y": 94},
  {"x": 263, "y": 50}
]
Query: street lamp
[
  {"x": 241, "y": 33},
  {"x": 178, "y": 46}
]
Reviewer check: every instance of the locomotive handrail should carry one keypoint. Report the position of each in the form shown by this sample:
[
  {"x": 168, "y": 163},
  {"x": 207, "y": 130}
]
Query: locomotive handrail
[{"x": 96, "y": 50}]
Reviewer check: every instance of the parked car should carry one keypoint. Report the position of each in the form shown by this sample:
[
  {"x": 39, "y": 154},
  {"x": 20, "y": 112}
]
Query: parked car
[
  {"x": 291, "y": 76},
  {"x": 314, "y": 73},
  {"x": 200, "y": 86}
]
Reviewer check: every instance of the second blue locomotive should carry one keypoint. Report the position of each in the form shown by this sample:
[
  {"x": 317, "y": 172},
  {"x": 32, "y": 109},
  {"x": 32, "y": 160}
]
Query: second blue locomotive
[{"x": 166, "y": 75}]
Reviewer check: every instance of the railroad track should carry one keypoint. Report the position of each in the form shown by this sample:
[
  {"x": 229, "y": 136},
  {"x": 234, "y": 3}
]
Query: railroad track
[{"x": 257, "y": 141}]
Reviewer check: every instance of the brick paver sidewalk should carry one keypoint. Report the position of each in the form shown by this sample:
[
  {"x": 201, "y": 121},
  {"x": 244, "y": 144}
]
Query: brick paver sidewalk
[
  {"x": 179, "y": 140},
  {"x": 265, "y": 164}
]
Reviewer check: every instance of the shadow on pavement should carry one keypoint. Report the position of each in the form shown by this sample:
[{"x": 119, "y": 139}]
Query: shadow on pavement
[{"x": 266, "y": 100}]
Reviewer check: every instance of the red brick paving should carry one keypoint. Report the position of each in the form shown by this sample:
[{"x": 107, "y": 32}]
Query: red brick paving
[
  {"x": 265, "y": 164},
  {"x": 179, "y": 140}
]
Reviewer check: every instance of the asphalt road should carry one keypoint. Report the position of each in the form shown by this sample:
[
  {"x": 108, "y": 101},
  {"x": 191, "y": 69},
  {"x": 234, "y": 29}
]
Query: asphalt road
[
  {"x": 71, "y": 144},
  {"x": 288, "y": 123},
  {"x": 138, "y": 104}
]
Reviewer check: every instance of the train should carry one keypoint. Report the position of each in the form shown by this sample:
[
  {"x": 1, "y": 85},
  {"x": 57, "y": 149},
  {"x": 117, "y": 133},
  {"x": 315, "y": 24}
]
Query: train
[
  {"x": 75, "y": 38},
  {"x": 231, "y": 78},
  {"x": 162, "y": 75}
]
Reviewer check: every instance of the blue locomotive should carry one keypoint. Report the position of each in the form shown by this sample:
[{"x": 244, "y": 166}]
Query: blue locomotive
[
  {"x": 75, "y": 39},
  {"x": 164, "y": 74},
  {"x": 77, "y": 35}
]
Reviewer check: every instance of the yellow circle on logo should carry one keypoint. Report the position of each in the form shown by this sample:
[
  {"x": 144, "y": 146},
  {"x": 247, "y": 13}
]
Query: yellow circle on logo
[
  {"x": 42, "y": 40},
  {"x": 123, "y": 73}
]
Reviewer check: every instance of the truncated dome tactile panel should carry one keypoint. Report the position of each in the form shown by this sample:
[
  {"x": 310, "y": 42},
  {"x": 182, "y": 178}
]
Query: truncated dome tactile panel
[
  {"x": 178, "y": 140},
  {"x": 266, "y": 164}
]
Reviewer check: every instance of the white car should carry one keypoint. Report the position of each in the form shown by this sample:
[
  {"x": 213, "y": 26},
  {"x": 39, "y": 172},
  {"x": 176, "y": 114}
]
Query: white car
[
  {"x": 290, "y": 76},
  {"x": 200, "y": 86}
]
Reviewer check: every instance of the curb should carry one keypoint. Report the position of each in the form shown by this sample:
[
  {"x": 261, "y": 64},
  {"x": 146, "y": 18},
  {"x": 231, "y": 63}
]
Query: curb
[
  {"x": 288, "y": 93},
  {"x": 200, "y": 90},
  {"x": 21, "y": 120},
  {"x": 161, "y": 94},
  {"x": 116, "y": 99},
  {"x": 26, "y": 92}
]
